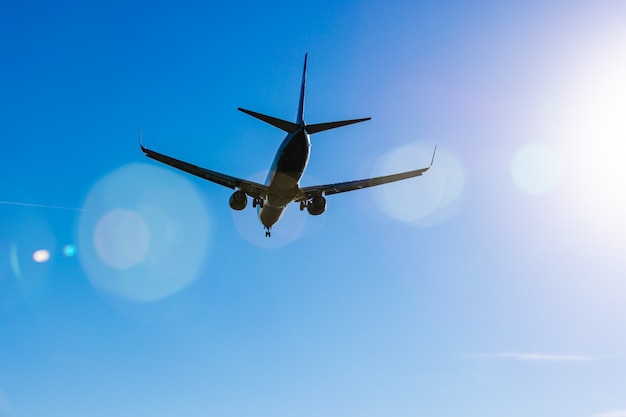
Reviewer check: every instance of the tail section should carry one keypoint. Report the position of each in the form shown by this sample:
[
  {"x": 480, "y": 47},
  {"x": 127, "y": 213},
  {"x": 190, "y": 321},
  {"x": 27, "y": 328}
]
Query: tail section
[
  {"x": 300, "y": 117},
  {"x": 320, "y": 127},
  {"x": 284, "y": 125},
  {"x": 290, "y": 127}
]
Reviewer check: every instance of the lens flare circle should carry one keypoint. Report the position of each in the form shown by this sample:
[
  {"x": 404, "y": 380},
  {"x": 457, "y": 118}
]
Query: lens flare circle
[
  {"x": 423, "y": 201},
  {"x": 40, "y": 256},
  {"x": 14, "y": 261},
  {"x": 151, "y": 237},
  {"x": 121, "y": 238},
  {"x": 69, "y": 251},
  {"x": 30, "y": 257},
  {"x": 536, "y": 168}
]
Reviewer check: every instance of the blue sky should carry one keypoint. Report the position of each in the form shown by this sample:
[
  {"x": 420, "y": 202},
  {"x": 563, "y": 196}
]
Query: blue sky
[{"x": 493, "y": 285}]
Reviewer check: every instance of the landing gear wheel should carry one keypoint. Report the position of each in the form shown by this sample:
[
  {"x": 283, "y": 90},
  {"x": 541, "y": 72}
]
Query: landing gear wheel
[
  {"x": 267, "y": 231},
  {"x": 257, "y": 202},
  {"x": 302, "y": 205}
]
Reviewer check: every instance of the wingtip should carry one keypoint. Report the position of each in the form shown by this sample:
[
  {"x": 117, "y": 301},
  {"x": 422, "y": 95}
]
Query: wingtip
[
  {"x": 433, "y": 158},
  {"x": 140, "y": 138}
]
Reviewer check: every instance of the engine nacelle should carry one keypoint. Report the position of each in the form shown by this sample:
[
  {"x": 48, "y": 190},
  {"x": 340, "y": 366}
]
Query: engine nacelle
[
  {"x": 317, "y": 205},
  {"x": 238, "y": 200}
]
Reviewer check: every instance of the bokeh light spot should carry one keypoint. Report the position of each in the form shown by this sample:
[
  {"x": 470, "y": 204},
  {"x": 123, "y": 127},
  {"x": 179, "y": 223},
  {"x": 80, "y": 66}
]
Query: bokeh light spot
[
  {"x": 29, "y": 257},
  {"x": 41, "y": 256},
  {"x": 536, "y": 169},
  {"x": 69, "y": 251},
  {"x": 152, "y": 236},
  {"x": 423, "y": 201}
]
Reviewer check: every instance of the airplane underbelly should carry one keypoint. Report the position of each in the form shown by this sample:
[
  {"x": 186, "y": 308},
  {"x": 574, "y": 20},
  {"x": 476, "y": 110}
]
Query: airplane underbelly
[
  {"x": 270, "y": 215},
  {"x": 283, "y": 183},
  {"x": 282, "y": 190},
  {"x": 283, "y": 179},
  {"x": 278, "y": 201}
]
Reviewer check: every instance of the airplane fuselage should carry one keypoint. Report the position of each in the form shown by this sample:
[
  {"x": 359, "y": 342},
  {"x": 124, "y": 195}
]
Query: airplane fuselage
[{"x": 284, "y": 176}]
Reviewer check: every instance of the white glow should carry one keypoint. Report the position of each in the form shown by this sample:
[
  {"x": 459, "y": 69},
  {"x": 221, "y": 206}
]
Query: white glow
[
  {"x": 595, "y": 115},
  {"x": 30, "y": 254},
  {"x": 424, "y": 200},
  {"x": 121, "y": 238},
  {"x": 590, "y": 118},
  {"x": 41, "y": 256},
  {"x": 536, "y": 168}
]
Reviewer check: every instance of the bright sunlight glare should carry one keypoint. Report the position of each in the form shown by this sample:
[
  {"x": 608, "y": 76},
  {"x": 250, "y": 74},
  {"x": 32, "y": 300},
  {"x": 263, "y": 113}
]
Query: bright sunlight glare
[
  {"x": 591, "y": 117},
  {"x": 596, "y": 116}
]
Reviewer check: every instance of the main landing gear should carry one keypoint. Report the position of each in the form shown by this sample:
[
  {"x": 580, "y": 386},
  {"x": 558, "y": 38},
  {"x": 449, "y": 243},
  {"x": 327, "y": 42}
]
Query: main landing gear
[
  {"x": 267, "y": 231},
  {"x": 257, "y": 202}
]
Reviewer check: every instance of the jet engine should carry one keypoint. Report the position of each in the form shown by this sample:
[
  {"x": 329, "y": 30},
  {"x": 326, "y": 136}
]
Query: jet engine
[
  {"x": 238, "y": 200},
  {"x": 317, "y": 205}
]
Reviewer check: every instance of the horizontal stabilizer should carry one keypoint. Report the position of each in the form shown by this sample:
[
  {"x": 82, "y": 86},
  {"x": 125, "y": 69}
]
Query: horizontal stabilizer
[
  {"x": 279, "y": 123},
  {"x": 320, "y": 127}
]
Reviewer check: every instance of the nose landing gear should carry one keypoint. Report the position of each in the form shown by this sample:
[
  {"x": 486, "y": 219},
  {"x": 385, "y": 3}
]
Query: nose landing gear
[{"x": 267, "y": 231}]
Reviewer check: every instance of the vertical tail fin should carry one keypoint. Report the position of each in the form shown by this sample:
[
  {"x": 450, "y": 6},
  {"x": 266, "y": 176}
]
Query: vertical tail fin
[{"x": 302, "y": 93}]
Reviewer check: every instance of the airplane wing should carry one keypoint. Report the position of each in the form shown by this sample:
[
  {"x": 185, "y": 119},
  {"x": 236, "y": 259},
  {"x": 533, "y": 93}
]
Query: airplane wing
[
  {"x": 251, "y": 188},
  {"x": 341, "y": 187}
]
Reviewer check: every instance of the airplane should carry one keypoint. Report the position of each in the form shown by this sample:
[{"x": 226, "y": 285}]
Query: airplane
[{"x": 282, "y": 185}]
